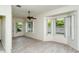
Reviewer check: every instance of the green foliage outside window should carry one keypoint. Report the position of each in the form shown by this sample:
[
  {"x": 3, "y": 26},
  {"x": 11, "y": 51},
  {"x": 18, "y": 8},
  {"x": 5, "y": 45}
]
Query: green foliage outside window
[
  {"x": 19, "y": 26},
  {"x": 60, "y": 22},
  {"x": 49, "y": 26},
  {"x": 49, "y": 23}
]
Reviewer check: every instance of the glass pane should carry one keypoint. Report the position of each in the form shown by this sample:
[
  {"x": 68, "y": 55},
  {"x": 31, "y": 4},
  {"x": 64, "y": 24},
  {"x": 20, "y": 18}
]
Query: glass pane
[
  {"x": 49, "y": 26},
  {"x": 19, "y": 26},
  {"x": 30, "y": 26},
  {"x": 60, "y": 26}
]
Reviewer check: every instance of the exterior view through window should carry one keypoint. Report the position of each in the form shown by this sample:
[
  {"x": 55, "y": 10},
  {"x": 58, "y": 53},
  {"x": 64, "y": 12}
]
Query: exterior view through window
[
  {"x": 30, "y": 26},
  {"x": 19, "y": 26},
  {"x": 49, "y": 26},
  {"x": 60, "y": 26}
]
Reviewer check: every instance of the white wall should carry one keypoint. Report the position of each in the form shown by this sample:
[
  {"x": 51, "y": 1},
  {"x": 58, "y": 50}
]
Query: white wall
[
  {"x": 5, "y": 10},
  {"x": 38, "y": 29},
  {"x": 14, "y": 20}
]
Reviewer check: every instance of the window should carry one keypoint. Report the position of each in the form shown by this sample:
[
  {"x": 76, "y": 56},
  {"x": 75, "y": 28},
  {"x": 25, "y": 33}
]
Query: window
[
  {"x": 70, "y": 26},
  {"x": 30, "y": 27},
  {"x": 49, "y": 23},
  {"x": 19, "y": 26},
  {"x": 60, "y": 26}
]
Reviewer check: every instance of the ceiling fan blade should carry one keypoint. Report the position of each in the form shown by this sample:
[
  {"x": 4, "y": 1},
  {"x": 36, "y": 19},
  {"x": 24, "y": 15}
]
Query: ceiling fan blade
[
  {"x": 30, "y": 17},
  {"x": 18, "y": 6},
  {"x": 34, "y": 18}
]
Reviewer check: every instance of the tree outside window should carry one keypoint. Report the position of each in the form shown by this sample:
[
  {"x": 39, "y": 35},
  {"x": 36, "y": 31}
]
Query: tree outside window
[
  {"x": 60, "y": 26},
  {"x": 60, "y": 22},
  {"x": 19, "y": 26}
]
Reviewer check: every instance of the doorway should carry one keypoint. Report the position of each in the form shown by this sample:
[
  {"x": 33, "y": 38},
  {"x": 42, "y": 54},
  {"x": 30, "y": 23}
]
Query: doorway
[{"x": 2, "y": 33}]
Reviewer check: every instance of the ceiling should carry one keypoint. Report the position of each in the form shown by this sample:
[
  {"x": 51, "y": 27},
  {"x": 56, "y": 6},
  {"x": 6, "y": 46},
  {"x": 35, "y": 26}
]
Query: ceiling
[{"x": 35, "y": 9}]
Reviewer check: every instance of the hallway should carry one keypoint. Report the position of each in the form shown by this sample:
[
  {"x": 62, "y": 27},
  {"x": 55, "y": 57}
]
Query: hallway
[{"x": 28, "y": 45}]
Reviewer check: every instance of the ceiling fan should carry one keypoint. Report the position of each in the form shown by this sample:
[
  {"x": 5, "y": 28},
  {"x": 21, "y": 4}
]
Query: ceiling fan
[
  {"x": 29, "y": 17},
  {"x": 19, "y": 6}
]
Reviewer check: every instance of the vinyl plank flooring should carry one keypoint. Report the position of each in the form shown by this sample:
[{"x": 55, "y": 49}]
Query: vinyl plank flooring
[{"x": 28, "y": 45}]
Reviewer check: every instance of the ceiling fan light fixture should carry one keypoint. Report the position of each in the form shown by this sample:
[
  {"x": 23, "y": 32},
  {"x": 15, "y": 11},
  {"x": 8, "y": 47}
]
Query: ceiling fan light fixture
[{"x": 30, "y": 17}]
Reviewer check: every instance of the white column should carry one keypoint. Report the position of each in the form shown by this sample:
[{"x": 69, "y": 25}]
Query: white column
[
  {"x": 45, "y": 27},
  {"x": 8, "y": 31},
  {"x": 77, "y": 36},
  {"x": 72, "y": 27},
  {"x": 67, "y": 27},
  {"x": 54, "y": 27}
]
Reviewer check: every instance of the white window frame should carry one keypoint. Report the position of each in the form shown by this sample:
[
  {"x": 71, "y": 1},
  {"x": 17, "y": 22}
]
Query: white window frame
[
  {"x": 31, "y": 28},
  {"x": 62, "y": 16}
]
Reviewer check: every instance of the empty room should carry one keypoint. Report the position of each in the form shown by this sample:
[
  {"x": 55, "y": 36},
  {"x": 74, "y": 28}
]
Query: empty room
[
  {"x": 39, "y": 28},
  {"x": 44, "y": 29}
]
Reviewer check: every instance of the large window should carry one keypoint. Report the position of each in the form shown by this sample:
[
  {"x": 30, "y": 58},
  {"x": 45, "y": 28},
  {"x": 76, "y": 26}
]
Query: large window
[
  {"x": 60, "y": 26},
  {"x": 30, "y": 27},
  {"x": 19, "y": 26}
]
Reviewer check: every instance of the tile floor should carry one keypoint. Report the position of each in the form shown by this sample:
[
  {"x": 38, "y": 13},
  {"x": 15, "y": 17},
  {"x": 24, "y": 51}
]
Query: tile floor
[{"x": 28, "y": 45}]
